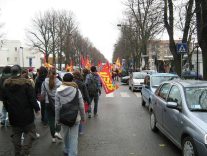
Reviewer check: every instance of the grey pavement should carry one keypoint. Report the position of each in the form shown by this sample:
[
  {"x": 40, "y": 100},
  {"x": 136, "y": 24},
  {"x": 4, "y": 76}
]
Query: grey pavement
[{"x": 121, "y": 129}]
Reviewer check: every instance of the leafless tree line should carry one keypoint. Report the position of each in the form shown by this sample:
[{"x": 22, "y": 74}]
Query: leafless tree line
[
  {"x": 143, "y": 22},
  {"x": 147, "y": 18},
  {"x": 56, "y": 32}
]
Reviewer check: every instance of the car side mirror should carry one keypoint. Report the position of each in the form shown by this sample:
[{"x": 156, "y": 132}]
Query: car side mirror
[{"x": 172, "y": 105}]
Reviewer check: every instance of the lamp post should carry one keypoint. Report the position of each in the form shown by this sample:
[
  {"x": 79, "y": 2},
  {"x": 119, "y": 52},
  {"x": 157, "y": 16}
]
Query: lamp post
[
  {"x": 22, "y": 56},
  {"x": 197, "y": 46}
]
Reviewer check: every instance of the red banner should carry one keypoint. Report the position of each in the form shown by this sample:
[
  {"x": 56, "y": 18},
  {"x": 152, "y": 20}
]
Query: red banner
[{"x": 106, "y": 79}]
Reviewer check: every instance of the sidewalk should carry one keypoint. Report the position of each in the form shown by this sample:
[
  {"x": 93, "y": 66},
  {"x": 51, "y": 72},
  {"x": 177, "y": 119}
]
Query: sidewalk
[{"x": 41, "y": 147}]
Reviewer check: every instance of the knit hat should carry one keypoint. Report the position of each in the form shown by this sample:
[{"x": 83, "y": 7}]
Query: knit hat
[
  {"x": 68, "y": 77},
  {"x": 16, "y": 70}
]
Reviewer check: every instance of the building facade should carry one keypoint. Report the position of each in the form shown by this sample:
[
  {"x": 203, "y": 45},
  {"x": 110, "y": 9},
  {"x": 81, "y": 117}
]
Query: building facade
[{"x": 12, "y": 52}]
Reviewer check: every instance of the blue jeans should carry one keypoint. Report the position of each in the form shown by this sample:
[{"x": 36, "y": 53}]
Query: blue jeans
[
  {"x": 95, "y": 98},
  {"x": 4, "y": 115},
  {"x": 71, "y": 139}
]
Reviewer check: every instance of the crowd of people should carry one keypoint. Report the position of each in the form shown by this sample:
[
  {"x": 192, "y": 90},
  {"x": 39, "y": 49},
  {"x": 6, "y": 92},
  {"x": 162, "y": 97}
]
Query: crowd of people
[{"x": 62, "y": 102}]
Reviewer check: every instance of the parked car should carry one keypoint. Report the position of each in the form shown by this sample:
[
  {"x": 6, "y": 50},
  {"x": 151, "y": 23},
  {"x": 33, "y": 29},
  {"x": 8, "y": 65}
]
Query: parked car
[
  {"x": 149, "y": 71},
  {"x": 125, "y": 79},
  {"x": 179, "y": 111},
  {"x": 136, "y": 80},
  {"x": 191, "y": 75},
  {"x": 151, "y": 83}
]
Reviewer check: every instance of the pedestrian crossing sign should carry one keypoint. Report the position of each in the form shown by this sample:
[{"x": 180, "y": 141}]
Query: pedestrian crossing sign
[{"x": 182, "y": 48}]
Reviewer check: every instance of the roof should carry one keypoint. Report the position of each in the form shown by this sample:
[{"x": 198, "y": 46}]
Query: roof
[
  {"x": 191, "y": 83},
  {"x": 163, "y": 74}
]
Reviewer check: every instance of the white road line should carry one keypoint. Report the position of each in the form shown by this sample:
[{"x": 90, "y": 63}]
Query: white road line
[
  {"x": 138, "y": 95},
  {"x": 110, "y": 95},
  {"x": 124, "y": 94}
]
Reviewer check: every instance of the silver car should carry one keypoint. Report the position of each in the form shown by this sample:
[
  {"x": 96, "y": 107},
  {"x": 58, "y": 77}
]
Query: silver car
[
  {"x": 151, "y": 83},
  {"x": 136, "y": 80},
  {"x": 179, "y": 111}
]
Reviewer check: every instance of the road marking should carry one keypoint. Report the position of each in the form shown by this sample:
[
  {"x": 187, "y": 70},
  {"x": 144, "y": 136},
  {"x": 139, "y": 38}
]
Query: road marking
[
  {"x": 138, "y": 95},
  {"x": 110, "y": 95},
  {"x": 124, "y": 94}
]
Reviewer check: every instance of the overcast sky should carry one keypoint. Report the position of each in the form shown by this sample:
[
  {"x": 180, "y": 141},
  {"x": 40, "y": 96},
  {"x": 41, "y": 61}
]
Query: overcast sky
[{"x": 97, "y": 19}]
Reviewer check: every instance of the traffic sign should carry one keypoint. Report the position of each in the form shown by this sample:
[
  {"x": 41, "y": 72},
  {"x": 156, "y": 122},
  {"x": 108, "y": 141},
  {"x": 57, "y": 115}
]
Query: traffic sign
[{"x": 182, "y": 48}]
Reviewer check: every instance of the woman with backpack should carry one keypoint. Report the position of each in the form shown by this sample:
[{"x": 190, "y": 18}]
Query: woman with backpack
[
  {"x": 49, "y": 87},
  {"x": 69, "y": 111}
]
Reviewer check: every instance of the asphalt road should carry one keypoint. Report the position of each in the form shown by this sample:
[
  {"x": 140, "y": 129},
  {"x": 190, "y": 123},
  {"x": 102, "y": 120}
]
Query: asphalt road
[{"x": 121, "y": 129}]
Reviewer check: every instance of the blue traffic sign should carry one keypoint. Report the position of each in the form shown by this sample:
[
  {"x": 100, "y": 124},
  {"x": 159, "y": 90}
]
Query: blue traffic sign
[{"x": 182, "y": 48}]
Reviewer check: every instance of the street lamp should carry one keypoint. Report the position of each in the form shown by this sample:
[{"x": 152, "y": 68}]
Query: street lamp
[
  {"x": 22, "y": 56},
  {"x": 197, "y": 46}
]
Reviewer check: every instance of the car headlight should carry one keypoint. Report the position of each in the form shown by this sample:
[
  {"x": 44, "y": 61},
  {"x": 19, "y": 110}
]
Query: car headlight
[{"x": 205, "y": 139}]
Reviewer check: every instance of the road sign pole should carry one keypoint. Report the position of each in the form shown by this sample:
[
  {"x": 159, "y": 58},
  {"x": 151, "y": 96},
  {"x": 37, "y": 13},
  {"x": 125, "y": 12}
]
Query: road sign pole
[{"x": 181, "y": 62}]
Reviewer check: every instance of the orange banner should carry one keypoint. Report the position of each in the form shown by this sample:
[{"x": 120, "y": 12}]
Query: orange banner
[{"x": 107, "y": 82}]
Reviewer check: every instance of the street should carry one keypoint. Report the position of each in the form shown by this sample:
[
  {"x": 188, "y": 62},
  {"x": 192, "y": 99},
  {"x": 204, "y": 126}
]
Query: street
[{"x": 121, "y": 129}]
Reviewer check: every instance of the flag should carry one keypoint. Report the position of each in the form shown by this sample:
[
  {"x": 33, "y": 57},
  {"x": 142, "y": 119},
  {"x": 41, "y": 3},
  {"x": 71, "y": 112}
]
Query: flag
[
  {"x": 108, "y": 84},
  {"x": 118, "y": 63},
  {"x": 82, "y": 61},
  {"x": 99, "y": 64},
  {"x": 87, "y": 63}
]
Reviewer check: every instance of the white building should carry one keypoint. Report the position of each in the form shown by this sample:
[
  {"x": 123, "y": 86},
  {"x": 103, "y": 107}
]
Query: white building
[{"x": 12, "y": 52}]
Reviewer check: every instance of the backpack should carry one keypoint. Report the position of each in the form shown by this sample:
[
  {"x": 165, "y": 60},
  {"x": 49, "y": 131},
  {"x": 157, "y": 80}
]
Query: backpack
[
  {"x": 92, "y": 85},
  {"x": 69, "y": 111}
]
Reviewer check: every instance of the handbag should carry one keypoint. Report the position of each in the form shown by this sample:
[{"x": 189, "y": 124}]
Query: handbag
[{"x": 51, "y": 104}]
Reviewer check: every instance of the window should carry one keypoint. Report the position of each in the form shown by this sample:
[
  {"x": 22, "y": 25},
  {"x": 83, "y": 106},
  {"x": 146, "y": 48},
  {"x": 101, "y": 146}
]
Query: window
[
  {"x": 7, "y": 59},
  {"x": 164, "y": 90},
  {"x": 175, "y": 96},
  {"x": 15, "y": 59},
  {"x": 15, "y": 48}
]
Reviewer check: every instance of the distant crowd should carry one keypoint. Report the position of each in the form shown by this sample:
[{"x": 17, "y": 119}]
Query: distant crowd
[{"x": 62, "y": 103}]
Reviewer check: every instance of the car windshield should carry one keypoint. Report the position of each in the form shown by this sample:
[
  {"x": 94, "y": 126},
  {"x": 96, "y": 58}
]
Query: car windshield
[
  {"x": 157, "y": 80},
  {"x": 196, "y": 98},
  {"x": 139, "y": 75}
]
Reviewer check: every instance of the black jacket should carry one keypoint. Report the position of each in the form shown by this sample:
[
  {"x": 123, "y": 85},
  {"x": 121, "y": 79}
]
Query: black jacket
[
  {"x": 38, "y": 84},
  {"x": 20, "y": 102},
  {"x": 83, "y": 89}
]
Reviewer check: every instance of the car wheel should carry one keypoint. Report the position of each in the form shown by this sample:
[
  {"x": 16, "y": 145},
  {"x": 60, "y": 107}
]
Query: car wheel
[
  {"x": 143, "y": 102},
  {"x": 153, "y": 122},
  {"x": 188, "y": 147}
]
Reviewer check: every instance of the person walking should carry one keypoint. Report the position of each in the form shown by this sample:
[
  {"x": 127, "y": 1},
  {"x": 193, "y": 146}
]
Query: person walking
[
  {"x": 68, "y": 94},
  {"x": 6, "y": 73},
  {"x": 93, "y": 83},
  {"x": 82, "y": 87},
  {"x": 25, "y": 74},
  {"x": 42, "y": 74},
  {"x": 20, "y": 102},
  {"x": 49, "y": 87}
]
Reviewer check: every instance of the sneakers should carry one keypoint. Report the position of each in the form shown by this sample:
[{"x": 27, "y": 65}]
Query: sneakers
[
  {"x": 58, "y": 136},
  {"x": 37, "y": 135},
  {"x": 89, "y": 115},
  {"x": 53, "y": 140}
]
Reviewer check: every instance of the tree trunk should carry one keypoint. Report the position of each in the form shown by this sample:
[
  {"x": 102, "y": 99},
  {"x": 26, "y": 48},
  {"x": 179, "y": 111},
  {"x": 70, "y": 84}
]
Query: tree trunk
[{"x": 201, "y": 15}]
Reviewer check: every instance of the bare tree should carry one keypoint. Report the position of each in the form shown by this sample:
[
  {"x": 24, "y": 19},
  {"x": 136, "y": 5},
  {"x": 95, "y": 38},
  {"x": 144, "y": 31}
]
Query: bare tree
[
  {"x": 169, "y": 25},
  {"x": 147, "y": 16},
  {"x": 201, "y": 16},
  {"x": 39, "y": 34}
]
